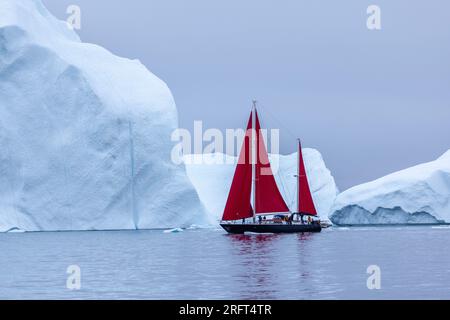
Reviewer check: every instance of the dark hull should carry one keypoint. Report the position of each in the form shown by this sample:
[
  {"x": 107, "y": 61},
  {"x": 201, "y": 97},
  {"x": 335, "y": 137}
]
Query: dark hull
[{"x": 270, "y": 228}]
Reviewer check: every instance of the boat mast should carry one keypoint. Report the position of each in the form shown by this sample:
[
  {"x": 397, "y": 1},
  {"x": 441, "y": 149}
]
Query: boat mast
[
  {"x": 254, "y": 159},
  {"x": 299, "y": 149}
]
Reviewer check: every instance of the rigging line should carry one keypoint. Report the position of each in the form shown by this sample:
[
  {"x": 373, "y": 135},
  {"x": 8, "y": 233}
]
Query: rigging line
[
  {"x": 280, "y": 176},
  {"x": 280, "y": 123}
]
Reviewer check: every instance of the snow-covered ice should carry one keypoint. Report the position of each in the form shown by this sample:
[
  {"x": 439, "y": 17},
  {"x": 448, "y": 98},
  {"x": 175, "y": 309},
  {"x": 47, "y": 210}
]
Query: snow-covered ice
[
  {"x": 211, "y": 175},
  {"x": 420, "y": 194},
  {"x": 84, "y": 134}
]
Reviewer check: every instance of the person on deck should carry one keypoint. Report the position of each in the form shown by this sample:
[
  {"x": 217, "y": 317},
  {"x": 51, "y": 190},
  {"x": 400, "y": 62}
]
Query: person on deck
[{"x": 290, "y": 218}]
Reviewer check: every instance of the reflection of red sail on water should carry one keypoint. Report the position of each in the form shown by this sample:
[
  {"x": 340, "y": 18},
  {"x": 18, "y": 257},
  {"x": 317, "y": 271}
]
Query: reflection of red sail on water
[{"x": 266, "y": 210}]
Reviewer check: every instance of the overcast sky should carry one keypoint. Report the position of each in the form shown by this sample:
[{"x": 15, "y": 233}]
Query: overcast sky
[{"x": 372, "y": 102}]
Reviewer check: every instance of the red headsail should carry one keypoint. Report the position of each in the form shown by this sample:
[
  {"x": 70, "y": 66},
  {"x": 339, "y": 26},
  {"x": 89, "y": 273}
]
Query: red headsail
[
  {"x": 305, "y": 200},
  {"x": 268, "y": 197},
  {"x": 238, "y": 204}
]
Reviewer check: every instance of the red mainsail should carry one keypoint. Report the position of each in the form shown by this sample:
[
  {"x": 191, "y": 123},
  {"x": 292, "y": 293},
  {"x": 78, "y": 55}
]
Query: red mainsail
[
  {"x": 305, "y": 200},
  {"x": 268, "y": 198},
  {"x": 238, "y": 204}
]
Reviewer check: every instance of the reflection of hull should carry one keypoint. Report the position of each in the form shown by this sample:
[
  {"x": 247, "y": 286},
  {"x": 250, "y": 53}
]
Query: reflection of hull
[{"x": 270, "y": 228}]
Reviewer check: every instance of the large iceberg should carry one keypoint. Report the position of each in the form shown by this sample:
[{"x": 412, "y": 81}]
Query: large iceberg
[
  {"x": 212, "y": 174},
  {"x": 420, "y": 194},
  {"x": 84, "y": 134}
]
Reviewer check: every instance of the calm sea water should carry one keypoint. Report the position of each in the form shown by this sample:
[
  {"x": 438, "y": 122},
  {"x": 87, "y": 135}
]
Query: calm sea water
[{"x": 210, "y": 264}]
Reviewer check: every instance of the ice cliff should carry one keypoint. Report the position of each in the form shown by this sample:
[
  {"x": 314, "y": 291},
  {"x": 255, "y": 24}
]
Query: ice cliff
[
  {"x": 420, "y": 194},
  {"x": 84, "y": 134}
]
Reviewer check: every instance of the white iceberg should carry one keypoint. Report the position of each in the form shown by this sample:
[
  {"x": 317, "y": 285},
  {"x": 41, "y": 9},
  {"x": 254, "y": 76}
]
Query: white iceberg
[
  {"x": 212, "y": 174},
  {"x": 84, "y": 135},
  {"x": 420, "y": 194}
]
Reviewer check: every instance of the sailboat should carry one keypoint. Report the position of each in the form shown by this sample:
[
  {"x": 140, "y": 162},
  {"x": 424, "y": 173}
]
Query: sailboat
[{"x": 254, "y": 202}]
